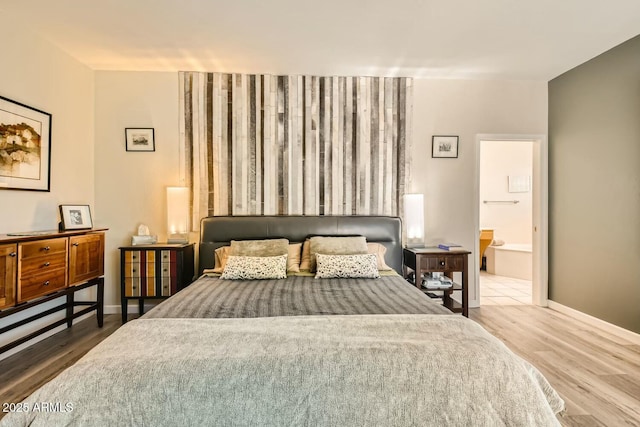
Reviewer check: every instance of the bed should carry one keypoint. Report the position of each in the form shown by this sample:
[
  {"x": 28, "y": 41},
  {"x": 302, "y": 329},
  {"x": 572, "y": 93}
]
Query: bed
[{"x": 297, "y": 351}]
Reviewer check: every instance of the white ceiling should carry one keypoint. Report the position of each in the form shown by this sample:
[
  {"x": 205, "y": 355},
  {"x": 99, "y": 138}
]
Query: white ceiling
[{"x": 479, "y": 39}]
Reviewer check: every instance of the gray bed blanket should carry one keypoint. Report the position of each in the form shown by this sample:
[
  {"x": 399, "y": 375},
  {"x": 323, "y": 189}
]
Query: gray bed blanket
[
  {"x": 380, "y": 370},
  {"x": 210, "y": 297}
]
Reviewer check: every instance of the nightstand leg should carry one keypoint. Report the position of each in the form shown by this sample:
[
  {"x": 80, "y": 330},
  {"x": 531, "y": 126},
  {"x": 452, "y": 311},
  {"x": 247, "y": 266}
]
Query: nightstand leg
[
  {"x": 125, "y": 306},
  {"x": 141, "y": 306},
  {"x": 465, "y": 289}
]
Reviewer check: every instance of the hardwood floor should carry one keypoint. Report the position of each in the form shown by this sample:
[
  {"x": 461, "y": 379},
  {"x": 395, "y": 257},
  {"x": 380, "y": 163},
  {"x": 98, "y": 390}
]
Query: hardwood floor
[
  {"x": 596, "y": 373},
  {"x": 24, "y": 372}
]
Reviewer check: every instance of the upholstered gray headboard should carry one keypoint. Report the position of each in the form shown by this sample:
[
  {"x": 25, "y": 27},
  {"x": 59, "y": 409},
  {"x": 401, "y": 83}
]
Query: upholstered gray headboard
[{"x": 217, "y": 231}]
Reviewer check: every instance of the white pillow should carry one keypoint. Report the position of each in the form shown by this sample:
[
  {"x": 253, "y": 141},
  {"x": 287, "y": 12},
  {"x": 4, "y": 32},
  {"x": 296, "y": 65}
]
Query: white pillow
[
  {"x": 293, "y": 260},
  {"x": 252, "y": 267},
  {"x": 335, "y": 245},
  {"x": 347, "y": 266}
]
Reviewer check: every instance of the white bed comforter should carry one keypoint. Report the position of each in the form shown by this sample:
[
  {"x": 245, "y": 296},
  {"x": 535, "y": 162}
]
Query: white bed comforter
[{"x": 360, "y": 370}]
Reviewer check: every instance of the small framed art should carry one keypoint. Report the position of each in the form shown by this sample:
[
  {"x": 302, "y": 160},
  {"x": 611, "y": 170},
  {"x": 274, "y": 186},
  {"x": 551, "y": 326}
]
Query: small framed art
[
  {"x": 75, "y": 217},
  {"x": 445, "y": 146},
  {"x": 140, "y": 139}
]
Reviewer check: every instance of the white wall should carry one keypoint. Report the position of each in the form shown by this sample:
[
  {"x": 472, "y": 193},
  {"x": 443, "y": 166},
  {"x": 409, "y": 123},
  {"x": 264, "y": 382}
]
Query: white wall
[
  {"x": 44, "y": 77},
  {"x": 499, "y": 160},
  {"x": 465, "y": 108},
  {"x": 38, "y": 74},
  {"x": 130, "y": 186}
]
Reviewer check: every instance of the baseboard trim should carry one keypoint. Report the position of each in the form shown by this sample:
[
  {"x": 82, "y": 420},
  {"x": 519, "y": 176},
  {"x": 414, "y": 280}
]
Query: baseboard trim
[
  {"x": 598, "y": 323},
  {"x": 114, "y": 309}
]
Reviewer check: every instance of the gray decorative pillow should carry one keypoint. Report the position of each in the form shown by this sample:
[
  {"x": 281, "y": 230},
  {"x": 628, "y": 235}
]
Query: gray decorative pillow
[
  {"x": 347, "y": 266},
  {"x": 250, "y": 267},
  {"x": 336, "y": 246},
  {"x": 267, "y": 247}
]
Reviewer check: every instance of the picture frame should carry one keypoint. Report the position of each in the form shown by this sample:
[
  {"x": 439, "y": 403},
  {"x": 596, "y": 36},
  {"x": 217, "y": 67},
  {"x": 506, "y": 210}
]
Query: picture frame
[
  {"x": 519, "y": 183},
  {"x": 444, "y": 146},
  {"x": 75, "y": 217},
  {"x": 140, "y": 139},
  {"x": 25, "y": 147}
]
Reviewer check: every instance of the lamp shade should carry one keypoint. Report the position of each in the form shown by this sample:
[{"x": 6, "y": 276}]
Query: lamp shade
[
  {"x": 178, "y": 214},
  {"x": 414, "y": 219}
]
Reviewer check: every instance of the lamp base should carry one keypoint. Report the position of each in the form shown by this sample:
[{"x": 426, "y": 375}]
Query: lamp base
[{"x": 415, "y": 243}]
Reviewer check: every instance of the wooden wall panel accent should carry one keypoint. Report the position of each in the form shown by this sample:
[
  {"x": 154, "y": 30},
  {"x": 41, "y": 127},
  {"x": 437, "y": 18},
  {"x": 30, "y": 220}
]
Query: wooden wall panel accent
[{"x": 285, "y": 145}]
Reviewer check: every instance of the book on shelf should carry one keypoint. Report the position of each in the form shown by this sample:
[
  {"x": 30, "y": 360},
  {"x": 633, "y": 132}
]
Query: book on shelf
[
  {"x": 450, "y": 247},
  {"x": 438, "y": 287}
]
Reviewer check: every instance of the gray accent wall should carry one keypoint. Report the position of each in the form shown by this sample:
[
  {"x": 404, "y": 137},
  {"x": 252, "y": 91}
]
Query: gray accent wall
[{"x": 594, "y": 181}]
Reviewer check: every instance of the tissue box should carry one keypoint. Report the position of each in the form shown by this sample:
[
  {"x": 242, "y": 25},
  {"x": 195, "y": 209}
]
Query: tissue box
[{"x": 144, "y": 240}]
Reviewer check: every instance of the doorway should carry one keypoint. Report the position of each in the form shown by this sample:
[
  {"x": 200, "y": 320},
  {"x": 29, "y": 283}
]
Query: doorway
[{"x": 511, "y": 208}]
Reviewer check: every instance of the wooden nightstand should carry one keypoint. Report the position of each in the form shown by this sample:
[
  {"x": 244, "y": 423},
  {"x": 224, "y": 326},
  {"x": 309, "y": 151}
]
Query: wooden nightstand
[
  {"x": 426, "y": 260},
  {"x": 154, "y": 272}
]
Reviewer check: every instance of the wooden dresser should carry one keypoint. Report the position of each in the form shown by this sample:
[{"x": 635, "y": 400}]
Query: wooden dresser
[{"x": 43, "y": 266}]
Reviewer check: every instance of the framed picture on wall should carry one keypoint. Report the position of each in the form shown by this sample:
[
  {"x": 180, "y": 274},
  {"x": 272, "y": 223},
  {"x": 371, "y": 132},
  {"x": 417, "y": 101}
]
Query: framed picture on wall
[
  {"x": 444, "y": 146},
  {"x": 25, "y": 147},
  {"x": 140, "y": 139}
]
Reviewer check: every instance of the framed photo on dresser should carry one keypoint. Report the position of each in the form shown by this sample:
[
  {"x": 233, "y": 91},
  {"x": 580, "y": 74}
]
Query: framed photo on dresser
[{"x": 75, "y": 217}]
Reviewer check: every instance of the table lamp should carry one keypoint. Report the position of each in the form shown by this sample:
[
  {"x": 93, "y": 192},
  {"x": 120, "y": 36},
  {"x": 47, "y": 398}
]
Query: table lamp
[
  {"x": 414, "y": 219},
  {"x": 178, "y": 214}
]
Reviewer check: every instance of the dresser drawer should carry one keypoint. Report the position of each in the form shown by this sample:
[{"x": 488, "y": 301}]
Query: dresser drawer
[
  {"x": 168, "y": 256},
  {"x": 132, "y": 269},
  {"x": 168, "y": 285},
  {"x": 140, "y": 256},
  {"x": 442, "y": 263},
  {"x": 168, "y": 269},
  {"x": 141, "y": 287},
  {"x": 42, "y": 247},
  {"x": 133, "y": 287},
  {"x": 41, "y": 284},
  {"x": 43, "y": 264}
]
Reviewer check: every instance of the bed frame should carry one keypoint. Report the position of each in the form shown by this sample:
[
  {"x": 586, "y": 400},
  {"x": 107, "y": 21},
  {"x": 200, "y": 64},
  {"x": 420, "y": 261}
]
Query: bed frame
[{"x": 217, "y": 231}]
